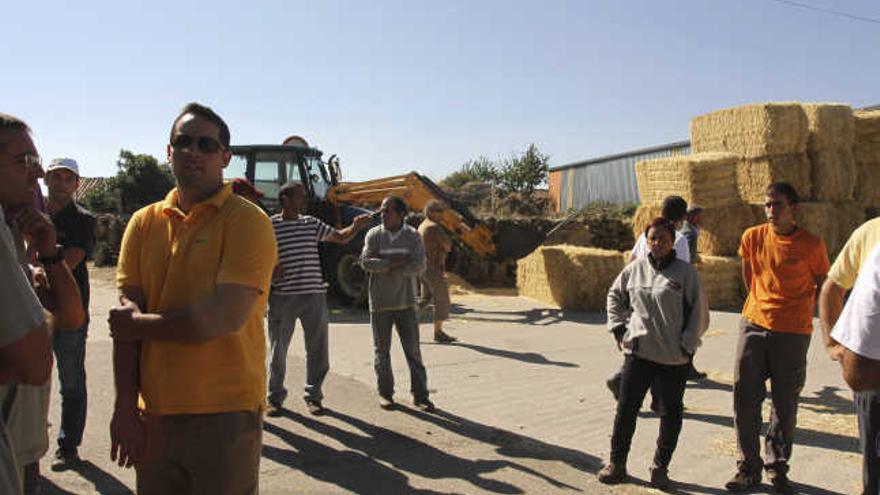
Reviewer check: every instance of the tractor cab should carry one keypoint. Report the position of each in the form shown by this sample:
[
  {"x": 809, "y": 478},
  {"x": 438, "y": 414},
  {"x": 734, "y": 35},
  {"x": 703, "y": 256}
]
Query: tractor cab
[{"x": 268, "y": 167}]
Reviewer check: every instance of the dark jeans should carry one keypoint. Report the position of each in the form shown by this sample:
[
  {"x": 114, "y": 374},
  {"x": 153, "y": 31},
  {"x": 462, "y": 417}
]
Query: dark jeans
[
  {"x": 656, "y": 403},
  {"x": 70, "y": 355},
  {"x": 637, "y": 377},
  {"x": 781, "y": 357},
  {"x": 868, "y": 411},
  {"x": 407, "y": 325}
]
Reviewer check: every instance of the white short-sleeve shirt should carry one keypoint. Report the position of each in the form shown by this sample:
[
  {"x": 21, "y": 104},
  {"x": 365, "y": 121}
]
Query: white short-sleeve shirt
[
  {"x": 682, "y": 250},
  {"x": 858, "y": 328}
]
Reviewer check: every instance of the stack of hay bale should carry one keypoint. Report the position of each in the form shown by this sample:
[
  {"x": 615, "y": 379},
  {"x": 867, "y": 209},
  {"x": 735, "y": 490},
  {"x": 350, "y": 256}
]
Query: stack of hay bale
[
  {"x": 809, "y": 146},
  {"x": 867, "y": 158},
  {"x": 830, "y": 154},
  {"x": 710, "y": 180},
  {"x": 569, "y": 277}
]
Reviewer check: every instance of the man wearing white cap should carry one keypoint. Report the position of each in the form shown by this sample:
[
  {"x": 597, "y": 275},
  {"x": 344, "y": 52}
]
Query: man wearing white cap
[{"x": 75, "y": 226}]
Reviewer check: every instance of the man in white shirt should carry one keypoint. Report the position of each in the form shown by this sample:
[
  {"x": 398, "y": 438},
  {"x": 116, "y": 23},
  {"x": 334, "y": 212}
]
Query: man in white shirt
[
  {"x": 25, "y": 329},
  {"x": 854, "y": 341}
]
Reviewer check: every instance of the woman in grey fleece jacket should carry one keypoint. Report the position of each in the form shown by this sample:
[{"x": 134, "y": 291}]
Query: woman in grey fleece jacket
[{"x": 654, "y": 313}]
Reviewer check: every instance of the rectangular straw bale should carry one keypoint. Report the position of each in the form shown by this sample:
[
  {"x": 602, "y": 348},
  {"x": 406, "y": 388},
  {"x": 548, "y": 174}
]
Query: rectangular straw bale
[
  {"x": 753, "y": 175},
  {"x": 707, "y": 179},
  {"x": 722, "y": 281},
  {"x": 752, "y": 130},
  {"x": 820, "y": 219},
  {"x": 867, "y": 125},
  {"x": 575, "y": 278},
  {"x": 833, "y": 174},
  {"x": 642, "y": 217},
  {"x": 720, "y": 231},
  {"x": 831, "y": 126},
  {"x": 849, "y": 215},
  {"x": 867, "y": 189}
]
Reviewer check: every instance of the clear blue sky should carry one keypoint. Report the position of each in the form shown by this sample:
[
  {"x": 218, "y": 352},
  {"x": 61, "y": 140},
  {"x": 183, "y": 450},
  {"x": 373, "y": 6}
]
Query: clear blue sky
[{"x": 393, "y": 86}]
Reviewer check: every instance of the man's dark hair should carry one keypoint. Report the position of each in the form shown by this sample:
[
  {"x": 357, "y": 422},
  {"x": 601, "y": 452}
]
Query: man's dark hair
[
  {"x": 207, "y": 114},
  {"x": 399, "y": 204},
  {"x": 286, "y": 189},
  {"x": 784, "y": 189},
  {"x": 11, "y": 123},
  {"x": 674, "y": 208}
]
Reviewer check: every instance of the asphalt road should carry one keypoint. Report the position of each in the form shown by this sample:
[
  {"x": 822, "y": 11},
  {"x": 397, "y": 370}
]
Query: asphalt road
[{"x": 522, "y": 408}]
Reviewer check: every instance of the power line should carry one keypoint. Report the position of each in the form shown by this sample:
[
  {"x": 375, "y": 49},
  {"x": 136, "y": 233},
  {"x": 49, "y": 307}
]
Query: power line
[{"x": 824, "y": 10}]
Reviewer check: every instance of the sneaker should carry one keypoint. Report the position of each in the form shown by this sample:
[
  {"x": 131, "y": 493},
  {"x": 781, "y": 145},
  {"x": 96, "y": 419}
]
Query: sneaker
[
  {"x": 275, "y": 410},
  {"x": 424, "y": 405},
  {"x": 660, "y": 478},
  {"x": 780, "y": 482},
  {"x": 743, "y": 481},
  {"x": 614, "y": 386},
  {"x": 444, "y": 338},
  {"x": 315, "y": 407},
  {"x": 612, "y": 474},
  {"x": 386, "y": 403},
  {"x": 65, "y": 459}
]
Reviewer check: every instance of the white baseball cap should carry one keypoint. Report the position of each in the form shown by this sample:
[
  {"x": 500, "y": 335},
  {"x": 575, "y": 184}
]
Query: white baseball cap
[{"x": 68, "y": 163}]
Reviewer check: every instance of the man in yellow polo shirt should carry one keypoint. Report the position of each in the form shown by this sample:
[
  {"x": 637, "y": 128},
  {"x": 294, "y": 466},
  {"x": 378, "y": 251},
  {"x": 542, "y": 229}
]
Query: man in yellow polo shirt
[{"x": 194, "y": 273}]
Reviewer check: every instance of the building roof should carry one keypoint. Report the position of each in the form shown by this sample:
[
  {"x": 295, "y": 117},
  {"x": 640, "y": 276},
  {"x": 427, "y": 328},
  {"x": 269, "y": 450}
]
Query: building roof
[
  {"x": 642, "y": 151},
  {"x": 86, "y": 184}
]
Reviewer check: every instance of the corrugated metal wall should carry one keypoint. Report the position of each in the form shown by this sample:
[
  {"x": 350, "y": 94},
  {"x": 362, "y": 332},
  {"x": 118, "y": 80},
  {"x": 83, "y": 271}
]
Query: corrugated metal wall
[{"x": 612, "y": 179}]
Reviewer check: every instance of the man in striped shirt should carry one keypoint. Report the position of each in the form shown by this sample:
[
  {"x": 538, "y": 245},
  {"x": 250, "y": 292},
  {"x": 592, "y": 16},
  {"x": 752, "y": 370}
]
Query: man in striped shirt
[{"x": 299, "y": 292}]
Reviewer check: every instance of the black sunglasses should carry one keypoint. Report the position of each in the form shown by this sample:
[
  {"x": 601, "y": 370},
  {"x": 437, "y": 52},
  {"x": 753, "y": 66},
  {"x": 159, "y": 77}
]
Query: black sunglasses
[{"x": 206, "y": 144}]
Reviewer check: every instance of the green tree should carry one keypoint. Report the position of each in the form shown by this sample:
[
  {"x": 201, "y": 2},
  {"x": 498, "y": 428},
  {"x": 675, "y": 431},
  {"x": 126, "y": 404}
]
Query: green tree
[
  {"x": 524, "y": 173},
  {"x": 139, "y": 181},
  {"x": 482, "y": 169}
]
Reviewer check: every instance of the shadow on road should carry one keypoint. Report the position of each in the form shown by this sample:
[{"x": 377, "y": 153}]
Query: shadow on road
[
  {"x": 684, "y": 488},
  {"x": 526, "y": 357},
  {"x": 103, "y": 481},
  {"x": 352, "y": 471},
  {"x": 802, "y": 436},
  {"x": 509, "y": 444},
  {"x": 537, "y": 316},
  {"x": 405, "y": 454}
]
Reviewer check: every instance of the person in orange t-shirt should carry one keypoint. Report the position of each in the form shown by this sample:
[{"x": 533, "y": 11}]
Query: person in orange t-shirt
[{"x": 783, "y": 265}]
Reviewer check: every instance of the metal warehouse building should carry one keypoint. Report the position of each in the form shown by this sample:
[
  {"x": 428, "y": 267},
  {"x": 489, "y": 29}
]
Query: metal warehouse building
[{"x": 609, "y": 178}]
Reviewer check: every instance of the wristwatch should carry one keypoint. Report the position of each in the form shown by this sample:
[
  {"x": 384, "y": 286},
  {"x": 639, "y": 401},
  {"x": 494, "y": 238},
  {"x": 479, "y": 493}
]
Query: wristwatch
[{"x": 51, "y": 260}]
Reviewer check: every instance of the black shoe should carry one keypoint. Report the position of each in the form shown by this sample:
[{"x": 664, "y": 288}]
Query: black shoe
[
  {"x": 424, "y": 405},
  {"x": 660, "y": 478},
  {"x": 275, "y": 410},
  {"x": 65, "y": 459},
  {"x": 695, "y": 376},
  {"x": 780, "y": 483},
  {"x": 613, "y": 474},
  {"x": 614, "y": 386},
  {"x": 743, "y": 481},
  {"x": 315, "y": 407},
  {"x": 386, "y": 402},
  {"x": 444, "y": 338}
]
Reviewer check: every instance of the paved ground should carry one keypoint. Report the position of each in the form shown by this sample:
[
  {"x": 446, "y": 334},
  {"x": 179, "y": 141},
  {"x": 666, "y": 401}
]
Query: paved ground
[{"x": 523, "y": 408}]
